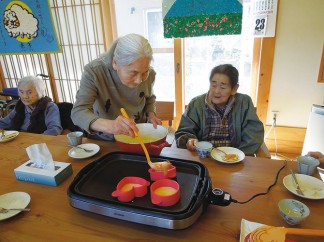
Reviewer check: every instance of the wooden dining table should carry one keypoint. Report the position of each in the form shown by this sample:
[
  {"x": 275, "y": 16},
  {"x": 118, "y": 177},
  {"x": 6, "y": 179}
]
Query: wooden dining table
[{"x": 52, "y": 218}]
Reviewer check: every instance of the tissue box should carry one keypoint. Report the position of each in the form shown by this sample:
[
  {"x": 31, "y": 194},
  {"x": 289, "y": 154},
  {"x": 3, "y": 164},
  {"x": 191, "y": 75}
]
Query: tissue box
[{"x": 26, "y": 172}]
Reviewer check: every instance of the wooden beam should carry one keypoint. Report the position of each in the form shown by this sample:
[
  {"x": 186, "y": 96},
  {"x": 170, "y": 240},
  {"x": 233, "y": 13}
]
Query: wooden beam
[
  {"x": 265, "y": 73},
  {"x": 179, "y": 85},
  {"x": 108, "y": 19},
  {"x": 255, "y": 69},
  {"x": 51, "y": 77},
  {"x": 2, "y": 82},
  {"x": 321, "y": 70}
]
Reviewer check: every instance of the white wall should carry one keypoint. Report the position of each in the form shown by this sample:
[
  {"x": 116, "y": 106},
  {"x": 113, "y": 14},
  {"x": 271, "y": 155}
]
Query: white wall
[
  {"x": 127, "y": 20},
  {"x": 299, "y": 43}
]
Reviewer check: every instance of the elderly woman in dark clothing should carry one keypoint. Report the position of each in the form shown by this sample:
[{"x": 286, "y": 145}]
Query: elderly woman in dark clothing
[
  {"x": 34, "y": 112},
  {"x": 221, "y": 116}
]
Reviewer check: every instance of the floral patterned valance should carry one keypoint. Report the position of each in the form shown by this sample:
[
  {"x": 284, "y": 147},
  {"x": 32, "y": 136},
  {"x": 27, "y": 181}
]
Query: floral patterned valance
[{"x": 189, "y": 18}]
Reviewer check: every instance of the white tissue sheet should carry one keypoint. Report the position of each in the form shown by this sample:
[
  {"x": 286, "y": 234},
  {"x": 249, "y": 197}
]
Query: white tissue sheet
[{"x": 40, "y": 156}]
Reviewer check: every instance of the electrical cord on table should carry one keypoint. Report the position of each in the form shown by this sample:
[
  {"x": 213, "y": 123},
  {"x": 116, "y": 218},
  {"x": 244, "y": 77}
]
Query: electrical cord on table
[{"x": 263, "y": 193}]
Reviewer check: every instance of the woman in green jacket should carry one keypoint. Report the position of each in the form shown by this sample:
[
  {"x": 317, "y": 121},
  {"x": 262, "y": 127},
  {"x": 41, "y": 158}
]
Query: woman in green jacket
[{"x": 221, "y": 116}]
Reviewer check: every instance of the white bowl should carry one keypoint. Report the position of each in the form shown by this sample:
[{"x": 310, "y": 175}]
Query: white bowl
[{"x": 293, "y": 211}]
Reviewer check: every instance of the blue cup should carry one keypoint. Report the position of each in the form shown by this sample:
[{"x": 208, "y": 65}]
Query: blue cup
[{"x": 204, "y": 148}]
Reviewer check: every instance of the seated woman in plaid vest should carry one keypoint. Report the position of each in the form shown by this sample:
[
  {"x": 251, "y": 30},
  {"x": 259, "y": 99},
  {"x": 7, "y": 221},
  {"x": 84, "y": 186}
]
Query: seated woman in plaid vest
[{"x": 221, "y": 116}]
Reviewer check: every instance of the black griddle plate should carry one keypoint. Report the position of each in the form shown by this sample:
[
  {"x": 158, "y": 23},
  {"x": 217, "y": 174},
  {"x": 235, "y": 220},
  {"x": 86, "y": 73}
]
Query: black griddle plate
[{"x": 95, "y": 183}]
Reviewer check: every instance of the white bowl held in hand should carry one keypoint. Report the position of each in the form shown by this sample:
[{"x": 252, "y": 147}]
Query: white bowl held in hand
[{"x": 293, "y": 211}]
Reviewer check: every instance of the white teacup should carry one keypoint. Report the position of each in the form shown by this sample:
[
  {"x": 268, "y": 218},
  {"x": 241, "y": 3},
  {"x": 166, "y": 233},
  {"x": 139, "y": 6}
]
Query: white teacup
[
  {"x": 307, "y": 164},
  {"x": 75, "y": 138}
]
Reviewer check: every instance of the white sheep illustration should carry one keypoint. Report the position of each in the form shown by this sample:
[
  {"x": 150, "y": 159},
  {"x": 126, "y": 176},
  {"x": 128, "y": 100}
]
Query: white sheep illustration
[{"x": 19, "y": 22}]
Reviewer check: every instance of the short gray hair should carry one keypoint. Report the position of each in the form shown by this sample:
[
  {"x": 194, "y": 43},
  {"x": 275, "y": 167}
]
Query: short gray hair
[
  {"x": 37, "y": 82},
  {"x": 128, "y": 49}
]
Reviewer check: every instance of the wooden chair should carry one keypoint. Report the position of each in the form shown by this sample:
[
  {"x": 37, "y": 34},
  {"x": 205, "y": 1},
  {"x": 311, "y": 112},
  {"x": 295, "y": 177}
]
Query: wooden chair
[
  {"x": 66, "y": 121},
  {"x": 165, "y": 112}
]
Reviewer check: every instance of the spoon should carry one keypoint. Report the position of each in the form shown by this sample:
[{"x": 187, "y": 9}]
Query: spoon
[
  {"x": 158, "y": 166},
  {"x": 5, "y": 210},
  {"x": 78, "y": 147},
  {"x": 221, "y": 151}
]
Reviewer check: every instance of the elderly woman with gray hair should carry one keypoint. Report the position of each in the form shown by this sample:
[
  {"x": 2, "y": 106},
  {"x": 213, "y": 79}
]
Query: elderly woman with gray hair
[
  {"x": 34, "y": 112},
  {"x": 120, "y": 78}
]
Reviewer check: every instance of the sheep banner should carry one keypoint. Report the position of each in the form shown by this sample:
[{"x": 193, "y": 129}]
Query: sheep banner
[{"x": 27, "y": 28}]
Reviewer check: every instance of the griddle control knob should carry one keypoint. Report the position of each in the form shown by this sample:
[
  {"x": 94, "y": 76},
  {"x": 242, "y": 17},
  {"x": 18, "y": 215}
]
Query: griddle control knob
[{"x": 219, "y": 197}]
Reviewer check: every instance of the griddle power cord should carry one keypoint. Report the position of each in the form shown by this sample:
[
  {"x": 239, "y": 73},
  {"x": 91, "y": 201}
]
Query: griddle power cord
[
  {"x": 263, "y": 193},
  {"x": 222, "y": 198}
]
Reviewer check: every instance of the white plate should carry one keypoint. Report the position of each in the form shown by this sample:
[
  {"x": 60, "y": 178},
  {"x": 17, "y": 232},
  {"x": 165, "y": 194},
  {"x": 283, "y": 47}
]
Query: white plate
[
  {"x": 13, "y": 200},
  {"x": 321, "y": 172},
  {"x": 9, "y": 135},
  {"x": 218, "y": 155},
  {"x": 312, "y": 187},
  {"x": 77, "y": 153}
]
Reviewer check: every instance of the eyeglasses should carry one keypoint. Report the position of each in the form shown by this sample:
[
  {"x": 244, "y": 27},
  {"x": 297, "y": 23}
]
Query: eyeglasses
[{"x": 143, "y": 75}]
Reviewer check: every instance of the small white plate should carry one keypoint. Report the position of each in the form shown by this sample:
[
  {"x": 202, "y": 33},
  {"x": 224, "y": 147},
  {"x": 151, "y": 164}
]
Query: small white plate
[
  {"x": 321, "y": 172},
  {"x": 312, "y": 187},
  {"x": 77, "y": 153},
  {"x": 218, "y": 155},
  {"x": 13, "y": 200},
  {"x": 9, "y": 135}
]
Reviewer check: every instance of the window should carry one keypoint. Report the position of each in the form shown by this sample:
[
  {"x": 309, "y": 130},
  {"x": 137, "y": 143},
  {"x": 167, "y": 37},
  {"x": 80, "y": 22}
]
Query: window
[
  {"x": 78, "y": 25},
  {"x": 148, "y": 18},
  {"x": 204, "y": 53}
]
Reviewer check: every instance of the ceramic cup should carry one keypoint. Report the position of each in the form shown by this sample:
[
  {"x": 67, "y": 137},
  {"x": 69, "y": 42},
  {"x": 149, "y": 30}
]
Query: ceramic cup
[
  {"x": 75, "y": 138},
  {"x": 307, "y": 164},
  {"x": 204, "y": 148},
  {"x": 293, "y": 211}
]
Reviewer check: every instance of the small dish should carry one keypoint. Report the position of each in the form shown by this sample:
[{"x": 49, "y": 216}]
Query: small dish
[
  {"x": 13, "y": 200},
  {"x": 313, "y": 188},
  {"x": 293, "y": 211},
  {"x": 217, "y": 154},
  {"x": 321, "y": 172},
  {"x": 9, "y": 135},
  {"x": 77, "y": 153}
]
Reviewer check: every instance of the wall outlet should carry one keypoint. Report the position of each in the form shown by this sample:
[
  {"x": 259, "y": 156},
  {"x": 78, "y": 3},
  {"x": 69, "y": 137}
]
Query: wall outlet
[{"x": 275, "y": 115}]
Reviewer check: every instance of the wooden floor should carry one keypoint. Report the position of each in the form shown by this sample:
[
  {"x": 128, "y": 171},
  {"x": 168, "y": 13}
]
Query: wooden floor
[{"x": 284, "y": 156}]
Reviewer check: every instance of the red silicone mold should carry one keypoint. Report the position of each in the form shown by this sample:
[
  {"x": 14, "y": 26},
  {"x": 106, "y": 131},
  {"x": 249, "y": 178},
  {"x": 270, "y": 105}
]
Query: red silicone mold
[
  {"x": 130, "y": 187},
  {"x": 158, "y": 175},
  {"x": 165, "y": 192}
]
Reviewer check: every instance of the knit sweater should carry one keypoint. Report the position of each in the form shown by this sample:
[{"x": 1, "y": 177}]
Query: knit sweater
[{"x": 102, "y": 94}]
